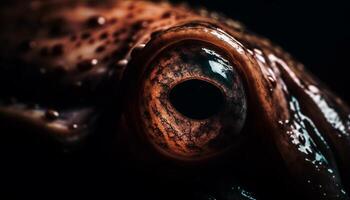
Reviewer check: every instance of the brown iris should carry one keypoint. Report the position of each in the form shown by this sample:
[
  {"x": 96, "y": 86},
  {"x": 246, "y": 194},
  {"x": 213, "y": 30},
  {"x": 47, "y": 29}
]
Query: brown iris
[{"x": 191, "y": 101}]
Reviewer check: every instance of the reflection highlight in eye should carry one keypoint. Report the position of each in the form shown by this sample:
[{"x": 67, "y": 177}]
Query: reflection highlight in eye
[{"x": 220, "y": 66}]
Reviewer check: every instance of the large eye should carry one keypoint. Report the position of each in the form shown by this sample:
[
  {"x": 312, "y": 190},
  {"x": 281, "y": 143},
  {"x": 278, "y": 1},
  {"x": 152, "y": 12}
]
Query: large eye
[{"x": 190, "y": 101}]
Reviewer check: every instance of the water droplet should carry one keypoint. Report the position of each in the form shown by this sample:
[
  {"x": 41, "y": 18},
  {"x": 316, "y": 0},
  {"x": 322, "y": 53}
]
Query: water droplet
[
  {"x": 137, "y": 49},
  {"x": 140, "y": 46},
  {"x": 78, "y": 84},
  {"x": 272, "y": 82},
  {"x": 73, "y": 126},
  {"x": 51, "y": 115},
  {"x": 313, "y": 89},
  {"x": 96, "y": 21},
  {"x": 42, "y": 70},
  {"x": 122, "y": 63},
  {"x": 280, "y": 122},
  {"x": 87, "y": 64}
]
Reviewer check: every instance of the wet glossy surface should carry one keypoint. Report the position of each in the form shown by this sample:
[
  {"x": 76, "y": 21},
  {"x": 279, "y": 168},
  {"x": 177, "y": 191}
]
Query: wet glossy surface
[{"x": 96, "y": 76}]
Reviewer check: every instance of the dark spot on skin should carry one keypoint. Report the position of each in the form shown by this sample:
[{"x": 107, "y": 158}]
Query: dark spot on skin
[
  {"x": 57, "y": 50},
  {"x": 26, "y": 46},
  {"x": 131, "y": 7},
  {"x": 100, "y": 49},
  {"x": 119, "y": 32},
  {"x": 87, "y": 64},
  {"x": 44, "y": 51},
  {"x": 91, "y": 41},
  {"x": 52, "y": 115},
  {"x": 78, "y": 44},
  {"x": 73, "y": 38},
  {"x": 130, "y": 16},
  {"x": 85, "y": 35},
  {"x": 139, "y": 24},
  {"x": 140, "y": 10},
  {"x": 103, "y": 35},
  {"x": 96, "y": 21},
  {"x": 166, "y": 15},
  {"x": 180, "y": 17},
  {"x": 113, "y": 21}
]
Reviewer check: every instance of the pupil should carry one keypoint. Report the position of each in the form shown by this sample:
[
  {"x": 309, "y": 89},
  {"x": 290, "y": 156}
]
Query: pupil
[{"x": 196, "y": 99}]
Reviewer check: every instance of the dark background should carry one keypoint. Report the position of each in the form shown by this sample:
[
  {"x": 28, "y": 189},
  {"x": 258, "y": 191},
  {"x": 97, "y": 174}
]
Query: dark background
[{"x": 314, "y": 32}]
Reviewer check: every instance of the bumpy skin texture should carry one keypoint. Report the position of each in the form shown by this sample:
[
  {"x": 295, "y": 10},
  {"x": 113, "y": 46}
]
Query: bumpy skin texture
[{"x": 65, "y": 64}]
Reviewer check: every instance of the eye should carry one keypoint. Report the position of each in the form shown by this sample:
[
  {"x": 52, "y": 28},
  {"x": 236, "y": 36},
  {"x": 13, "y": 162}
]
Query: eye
[{"x": 189, "y": 102}]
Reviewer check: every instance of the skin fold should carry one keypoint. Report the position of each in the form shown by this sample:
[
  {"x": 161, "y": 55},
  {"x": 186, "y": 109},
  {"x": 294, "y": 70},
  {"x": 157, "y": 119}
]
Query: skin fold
[{"x": 73, "y": 74}]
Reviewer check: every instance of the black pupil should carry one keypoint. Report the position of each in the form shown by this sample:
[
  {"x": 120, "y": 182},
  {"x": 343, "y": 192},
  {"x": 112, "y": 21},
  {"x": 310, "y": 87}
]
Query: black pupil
[{"x": 196, "y": 99}]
